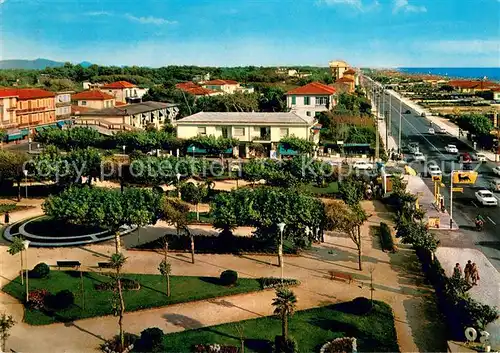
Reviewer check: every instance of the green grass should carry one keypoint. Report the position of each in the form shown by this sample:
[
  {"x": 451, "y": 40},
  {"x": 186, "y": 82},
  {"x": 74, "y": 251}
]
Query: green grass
[
  {"x": 98, "y": 303},
  {"x": 46, "y": 226},
  {"x": 204, "y": 218},
  {"x": 311, "y": 328},
  {"x": 332, "y": 188}
]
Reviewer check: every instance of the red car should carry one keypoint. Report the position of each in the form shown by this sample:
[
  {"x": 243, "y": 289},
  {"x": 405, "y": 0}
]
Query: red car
[{"x": 465, "y": 157}]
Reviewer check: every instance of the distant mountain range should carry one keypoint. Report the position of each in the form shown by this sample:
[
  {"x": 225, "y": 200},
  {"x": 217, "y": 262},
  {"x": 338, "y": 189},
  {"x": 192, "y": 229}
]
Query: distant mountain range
[{"x": 37, "y": 64}]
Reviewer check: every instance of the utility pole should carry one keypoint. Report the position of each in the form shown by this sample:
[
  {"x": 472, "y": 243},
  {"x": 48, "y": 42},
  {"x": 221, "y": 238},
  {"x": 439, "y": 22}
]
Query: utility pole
[
  {"x": 400, "y": 118},
  {"x": 386, "y": 124},
  {"x": 377, "y": 134}
]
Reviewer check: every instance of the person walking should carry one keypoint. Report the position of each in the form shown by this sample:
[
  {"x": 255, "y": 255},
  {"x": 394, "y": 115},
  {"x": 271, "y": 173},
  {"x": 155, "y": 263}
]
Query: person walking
[
  {"x": 457, "y": 271},
  {"x": 474, "y": 274},
  {"x": 6, "y": 218},
  {"x": 467, "y": 271}
]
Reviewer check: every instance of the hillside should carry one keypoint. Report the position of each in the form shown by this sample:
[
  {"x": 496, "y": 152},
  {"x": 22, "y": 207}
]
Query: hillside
[{"x": 38, "y": 64}]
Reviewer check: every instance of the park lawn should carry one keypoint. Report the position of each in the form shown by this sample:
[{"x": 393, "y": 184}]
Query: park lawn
[
  {"x": 332, "y": 188},
  {"x": 98, "y": 303},
  {"x": 375, "y": 332},
  {"x": 204, "y": 218},
  {"x": 46, "y": 226}
]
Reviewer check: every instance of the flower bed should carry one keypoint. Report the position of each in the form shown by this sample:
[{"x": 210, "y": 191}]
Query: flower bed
[
  {"x": 127, "y": 284},
  {"x": 273, "y": 282},
  {"x": 214, "y": 348},
  {"x": 340, "y": 345}
]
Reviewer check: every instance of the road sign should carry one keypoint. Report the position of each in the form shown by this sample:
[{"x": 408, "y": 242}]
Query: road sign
[
  {"x": 436, "y": 177},
  {"x": 464, "y": 177},
  {"x": 457, "y": 189}
]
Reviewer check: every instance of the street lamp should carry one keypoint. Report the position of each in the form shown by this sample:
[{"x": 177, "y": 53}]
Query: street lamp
[
  {"x": 318, "y": 230},
  {"x": 123, "y": 148},
  {"x": 26, "y": 244},
  {"x": 25, "y": 172},
  {"x": 281, "y": 227},
  {"x": 178, "y": 175},
  {"x": 193, "y": 149}
]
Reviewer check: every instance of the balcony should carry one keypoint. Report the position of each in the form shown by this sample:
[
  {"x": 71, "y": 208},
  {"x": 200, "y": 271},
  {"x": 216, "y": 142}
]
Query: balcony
[
  {"x": 266, "y": 137},
  {"x": 32, "y": 110}
]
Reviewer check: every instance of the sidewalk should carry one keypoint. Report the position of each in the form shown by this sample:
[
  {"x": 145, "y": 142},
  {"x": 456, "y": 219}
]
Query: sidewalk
[
  {"x": 382, "y": 127},
  {"x": 417, "y": 186}
]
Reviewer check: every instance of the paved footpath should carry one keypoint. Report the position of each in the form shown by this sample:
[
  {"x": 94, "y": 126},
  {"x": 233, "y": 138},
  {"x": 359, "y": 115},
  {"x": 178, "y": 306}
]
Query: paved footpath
[{"x": 397, "y": 280}]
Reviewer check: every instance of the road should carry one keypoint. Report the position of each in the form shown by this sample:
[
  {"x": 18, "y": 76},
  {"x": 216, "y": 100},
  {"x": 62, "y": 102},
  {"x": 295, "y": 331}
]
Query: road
[{"x": 465, "y": 206}]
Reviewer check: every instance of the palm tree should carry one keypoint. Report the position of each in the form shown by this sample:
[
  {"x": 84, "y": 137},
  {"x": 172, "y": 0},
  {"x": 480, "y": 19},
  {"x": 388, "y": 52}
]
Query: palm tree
[
  {"x": 284, "y": 306},
  {"x": 17, "y": 247}
]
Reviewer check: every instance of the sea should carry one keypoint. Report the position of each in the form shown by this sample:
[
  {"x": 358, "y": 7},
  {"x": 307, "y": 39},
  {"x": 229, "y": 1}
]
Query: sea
[{"x": 491, "y": 73}]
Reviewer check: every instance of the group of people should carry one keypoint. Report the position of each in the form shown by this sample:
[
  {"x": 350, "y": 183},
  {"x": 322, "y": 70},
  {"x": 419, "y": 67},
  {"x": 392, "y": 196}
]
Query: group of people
[{"x": 471, "y": 272}]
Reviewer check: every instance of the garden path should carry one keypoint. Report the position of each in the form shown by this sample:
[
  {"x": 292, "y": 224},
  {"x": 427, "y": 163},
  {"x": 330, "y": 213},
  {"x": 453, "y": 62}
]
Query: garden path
[{"x": 396, "y": 277}]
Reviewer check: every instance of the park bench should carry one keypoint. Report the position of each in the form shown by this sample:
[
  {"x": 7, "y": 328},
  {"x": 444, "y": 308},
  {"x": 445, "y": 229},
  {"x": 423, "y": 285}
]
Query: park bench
[
  {"x": 102, "y": 265},
  {"x": 66, "y": 264},
  {"x": 340, "y": 275}
]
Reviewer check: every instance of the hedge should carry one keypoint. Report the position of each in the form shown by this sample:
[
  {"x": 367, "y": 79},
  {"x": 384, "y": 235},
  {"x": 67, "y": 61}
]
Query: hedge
[{"x": 386, "y": 239}]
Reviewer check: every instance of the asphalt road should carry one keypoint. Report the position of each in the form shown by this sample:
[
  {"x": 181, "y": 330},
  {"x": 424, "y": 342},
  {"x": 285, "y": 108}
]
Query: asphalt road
[{"x": 465, "y": 205}]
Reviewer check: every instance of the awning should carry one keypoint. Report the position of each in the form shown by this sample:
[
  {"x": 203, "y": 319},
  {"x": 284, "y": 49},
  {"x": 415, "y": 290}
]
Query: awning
[
  {"x": 198, "y": 150},
  {"x": 285, "y": 152},
  {"x": 356, "y": 145},
  {"x": 24, "y": 132},
  {"x": 39, "y": 128},
  {"x": 15, "y": 136}
]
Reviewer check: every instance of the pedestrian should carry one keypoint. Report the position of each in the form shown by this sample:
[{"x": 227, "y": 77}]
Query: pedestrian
[
  {"x": 457, "y": 271},
  {"x": 474, "y": 274},
  {"x": 467, "y": 271},
  {"x": 6, "y": 218}
]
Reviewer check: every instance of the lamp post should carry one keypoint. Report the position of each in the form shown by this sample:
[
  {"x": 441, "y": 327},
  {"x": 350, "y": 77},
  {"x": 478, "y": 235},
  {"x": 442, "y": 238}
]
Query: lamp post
[
  {"x": 281, "y": 227},
  {"x": 123, "y": 148},
  {"x": 193, "y": 149},
  {"x": 26, "y": 244},
  {"x": 25, "y": 172},
  {"x": 318, "y": 232},
  {"x": 178, "y": 175}
]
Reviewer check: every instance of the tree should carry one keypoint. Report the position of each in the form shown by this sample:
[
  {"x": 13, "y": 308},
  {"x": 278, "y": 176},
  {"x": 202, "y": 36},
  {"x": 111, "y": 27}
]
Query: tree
[
  {"x": 351, "y": 191},
  {"x": 117, "y": 262},
  {"x": 17, "y": 247},
  {"x": 348, "y": 219},
  {"x": 194, "y": 194},
  {"x": 272, "y": 99},
  {"x": 165, "y": 269},
  {"x": 297, "y": 144},
  {"x": 214, "y": 145},
  {"x": 175, "y": 212},
  {"x": 6, "y": 323},
  {"x": 284, "y": 306},
  {"x": 3, "y": 135},
  {"x": 12, "y": 165}
]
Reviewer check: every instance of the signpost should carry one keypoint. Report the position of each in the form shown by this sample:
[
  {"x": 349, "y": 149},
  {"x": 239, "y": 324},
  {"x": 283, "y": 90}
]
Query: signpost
[{"x": 459, "y": 177}]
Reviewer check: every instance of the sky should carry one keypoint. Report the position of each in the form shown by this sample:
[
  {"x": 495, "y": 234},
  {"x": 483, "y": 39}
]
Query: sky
[{"x": 368, "y": 33}]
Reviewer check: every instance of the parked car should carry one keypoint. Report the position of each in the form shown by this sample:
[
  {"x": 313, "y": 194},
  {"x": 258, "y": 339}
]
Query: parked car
[
  {"x": 407, "y": 112},
  {"x": 433, "y": 170},
  {"x": 413, "y": 147},
  {"x": 486, "y": 198},
  {"x": 465, "y": 157},
  {"x": 432, "y": 131},
  {"x": 419, "y": 156},
  {"x": 451, "y": 149},
  {"x": 495, "y": 185},
  {"x": 481, "y": 157},
  {"x": 496, "y": 170},
  {"x": 362, "y": 165},
  {"x": 440, "y": 130}
]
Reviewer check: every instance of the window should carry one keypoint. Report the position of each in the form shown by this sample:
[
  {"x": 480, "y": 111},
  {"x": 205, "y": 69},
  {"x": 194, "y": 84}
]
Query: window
[
  {"x": 283, "y": 132},
  {"x": 307, "y": 100},
  {"x": 84, "y": 102},
  {"x": 202, "y": 130},
  {"x": 321, "y": 100},
  {"x": 239, "y": 131},
  {"x": 294, "y": 100},
  {"x": 308, "y": 113}
]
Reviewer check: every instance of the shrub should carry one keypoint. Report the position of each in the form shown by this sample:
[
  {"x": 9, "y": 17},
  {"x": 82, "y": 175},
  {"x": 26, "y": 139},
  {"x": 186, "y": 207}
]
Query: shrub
[
  {"x": 273, "y": 282},
  {"x": 127, "y": 284},
  {"x": 36, "y": 298},
  {"x": 228, "y": 277},
  {"x": 214, "y": 348},
  {"x": 361, "y": 305},
  {"x": 285, "y": 346},
  {"x": 62, "y": 299},
  {"x": 342, "y": 344},
  {"x": 386, "y": 238},
  {"x": 41, "y": 270},
  {"x": 151, "y": 340}
]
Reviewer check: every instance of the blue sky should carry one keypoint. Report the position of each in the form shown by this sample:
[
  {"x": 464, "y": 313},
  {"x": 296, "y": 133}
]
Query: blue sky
[{"x": 376, "y": 33}]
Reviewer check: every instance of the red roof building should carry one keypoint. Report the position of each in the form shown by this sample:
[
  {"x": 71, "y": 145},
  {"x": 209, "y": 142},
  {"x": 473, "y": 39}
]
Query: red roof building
[
  {"x": 119, "y": 85},
  {"x": 26, "y": 93},
  {"x": 194, "y": 89},
  {"x": 349, "y": 72},
  {"x": 313, "y": 88},
  {"x": 94, "y": 94},
  {"x": 470, "y": 85}
]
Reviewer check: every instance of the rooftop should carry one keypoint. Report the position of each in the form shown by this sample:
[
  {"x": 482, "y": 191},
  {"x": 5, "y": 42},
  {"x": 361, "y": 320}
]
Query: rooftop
[
  {"x": 90, "y": 95},
  {"x": 194, "y": 89},
  {"x": 119, "y": 85},
  {"x": 26, "y": 93},
  {"x": 248, "y": 118},
  {"x": 473, "y": 84},
  {"x": 313, "y": 88},
  {"x": 130, "y": 109},
  {"x": 220, "y": 82},
  {"x": 345, "y": 80},
  {"x": 349, "y": 72}
]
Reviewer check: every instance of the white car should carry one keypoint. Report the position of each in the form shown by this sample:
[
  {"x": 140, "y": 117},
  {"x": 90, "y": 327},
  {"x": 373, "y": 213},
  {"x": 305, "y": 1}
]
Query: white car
[
  {"x": 451, "y": 149},
  {"x": 413, "y": 147},
  {"x": 419, "y": 156},
  {"x": 433, "y": 170},
  {"x": 362, "y": 165},
  {"x": 496, "y": 170},
  {"x": 486, "y": 198},
  {"x": 431, "y": 131},
  {"x": 481, "y": 157}
]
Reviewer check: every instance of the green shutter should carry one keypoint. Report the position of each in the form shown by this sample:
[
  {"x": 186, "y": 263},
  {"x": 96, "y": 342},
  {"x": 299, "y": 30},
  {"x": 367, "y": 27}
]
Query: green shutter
[
  {"x": 306, "y": 100},
  {"x": 294, "y": 100}
]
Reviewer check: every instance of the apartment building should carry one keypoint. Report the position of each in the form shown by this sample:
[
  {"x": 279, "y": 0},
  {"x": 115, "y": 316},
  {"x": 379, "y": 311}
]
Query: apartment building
[
  {"x": 310, "y": 99},
  {"x": 63, "y": 104},
  {"x": 124, "y": 92},
  {"x": 226, "y": 86},
  {"x": 254, "y": 127},
  {"x": 93, "y": 99}
]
